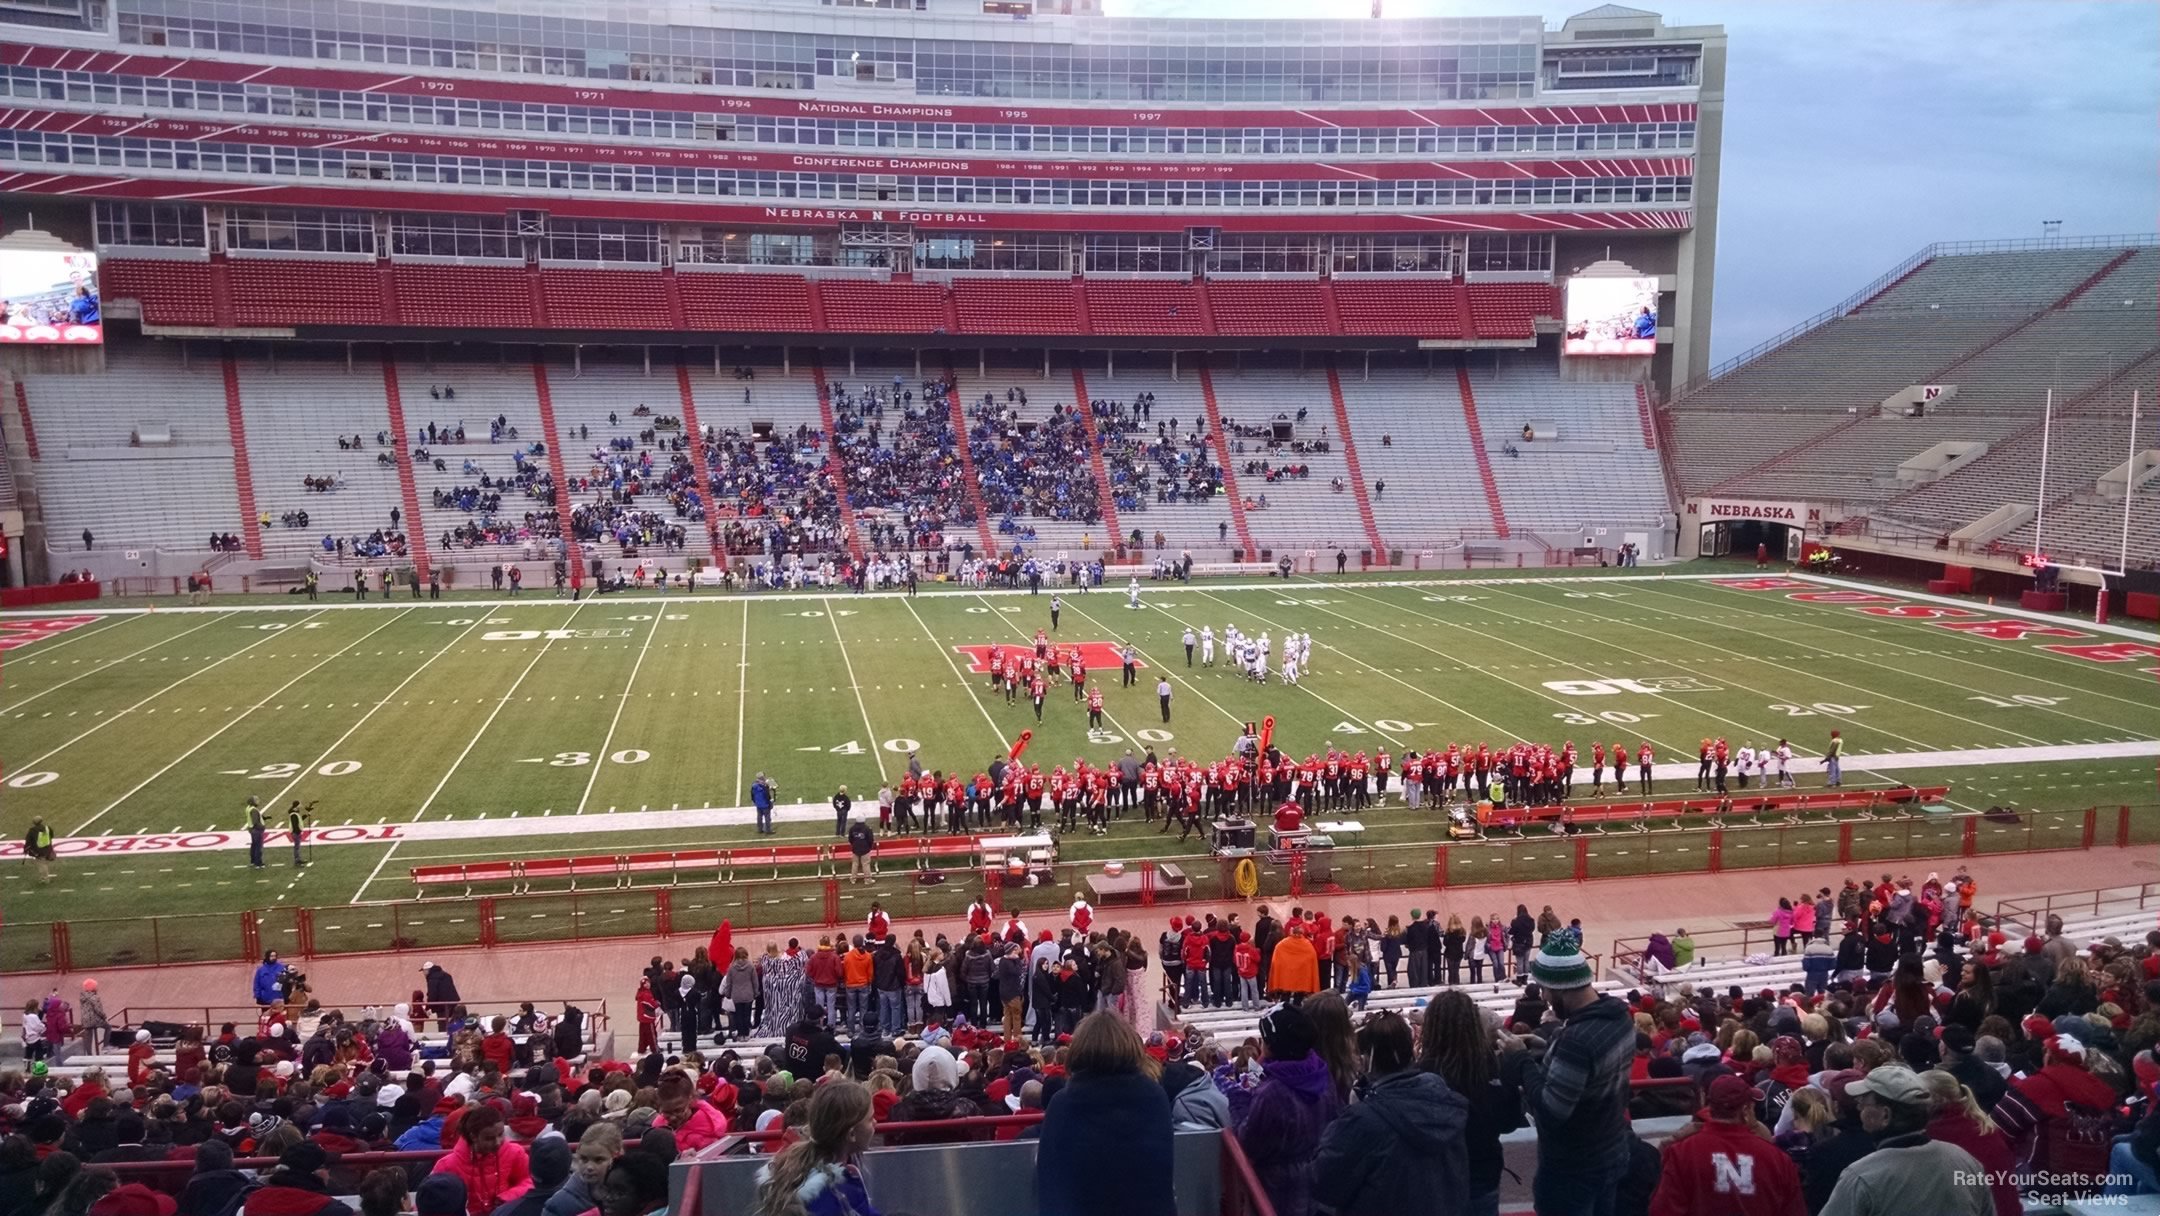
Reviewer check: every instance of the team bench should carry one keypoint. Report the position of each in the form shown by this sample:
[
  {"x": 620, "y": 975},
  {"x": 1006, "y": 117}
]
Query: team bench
[
  {"x": 715, "y": 865},
  {"x": 1744, "y": 803}
]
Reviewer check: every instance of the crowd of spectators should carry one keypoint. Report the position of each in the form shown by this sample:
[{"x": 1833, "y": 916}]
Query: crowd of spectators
[
  {"x": 773, "y": 493},
  {"x": 1032, "y": 468},
  {"x": 1954, "y": 1070},
  {"x": 1171, "y": 467},
  {"x": 903, "y": 464}
]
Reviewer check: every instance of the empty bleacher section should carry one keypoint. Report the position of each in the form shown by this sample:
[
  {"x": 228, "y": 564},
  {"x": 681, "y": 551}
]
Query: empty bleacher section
[
  {"x": 1297, "y": 490},
  {"x": 272, "y": 291},
  {"x": 1411, "y": 436},
  {"x": 1510, "y": 310},
  {"x": 2023, "y": 279},
  {"x": 464, "y": 296},
  {"x": 1585, "y": 462},
  {"x": 744, "y": 303},
  {"x": 1145, "y": 306},
  {"x": 171, "y": 292},
  {"x": 1392, "y": 307},
  {"x": 2004, "y": 327},
  {"x": 278, "y": 291},
  {"x": 1015, "y": 306},
  {"x": 869, "y": 306},
  {"x": 318, "y": 421},
  {"x": 141, "y": 456},
  {"x": 1268, "y": 307}
]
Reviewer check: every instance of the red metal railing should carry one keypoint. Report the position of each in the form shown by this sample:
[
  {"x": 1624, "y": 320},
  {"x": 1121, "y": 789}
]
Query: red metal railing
[
  {"x": 806, "y": 904},
  {"x": 1242, "y": 1194}
]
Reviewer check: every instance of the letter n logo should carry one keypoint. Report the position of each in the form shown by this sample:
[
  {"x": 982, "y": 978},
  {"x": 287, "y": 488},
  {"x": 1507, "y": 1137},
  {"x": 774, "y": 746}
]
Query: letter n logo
[{"x": 1733, "y": 1177}]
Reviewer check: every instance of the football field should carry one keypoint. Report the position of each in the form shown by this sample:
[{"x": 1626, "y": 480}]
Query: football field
[{"x": 475, "y": 728}]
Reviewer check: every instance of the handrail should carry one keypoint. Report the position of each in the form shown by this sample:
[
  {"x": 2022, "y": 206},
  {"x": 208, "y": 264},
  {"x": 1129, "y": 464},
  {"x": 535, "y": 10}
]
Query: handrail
[
  {"x": 1695, "y": 385},
  {"x": 1247, "y": 1197},
  {"x": 2031, "y": 913}
]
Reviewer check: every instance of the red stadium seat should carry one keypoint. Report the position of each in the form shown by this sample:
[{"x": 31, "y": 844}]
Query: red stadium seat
[
  {"x": 1266, "y": 307},
  {"x": 1015, "y": 306},
  {"x": 296, "y": 291},
  {"x": 1421, "y": 308},
  {"x": 464, "y": 297},
  {"x": 605, "y": 299},
  {"x": 745, "y": 303},
  {"x": 870, "y": 307},
  {"x": 1505, "y": 310},
  {"x": 171, "y": 293},
  {"x": 1145, "y": 306}
]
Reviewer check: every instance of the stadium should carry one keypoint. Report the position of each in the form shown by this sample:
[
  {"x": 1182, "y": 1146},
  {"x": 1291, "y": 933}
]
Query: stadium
[{"x": 530, "y": 488}]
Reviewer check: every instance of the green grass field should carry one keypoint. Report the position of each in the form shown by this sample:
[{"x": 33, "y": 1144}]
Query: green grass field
[{"x": 494, "y": 714}]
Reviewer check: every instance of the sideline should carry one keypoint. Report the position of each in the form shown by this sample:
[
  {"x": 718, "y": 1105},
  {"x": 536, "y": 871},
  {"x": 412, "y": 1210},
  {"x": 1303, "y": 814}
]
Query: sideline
[{"x": 818, "y": 812}]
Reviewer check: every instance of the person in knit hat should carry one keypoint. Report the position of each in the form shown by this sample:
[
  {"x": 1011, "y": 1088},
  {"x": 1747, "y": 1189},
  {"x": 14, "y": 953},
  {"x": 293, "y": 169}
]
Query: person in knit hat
[
  {"x": 1725, "y": 1164},
  {"x": 1577, "y": 1093}
]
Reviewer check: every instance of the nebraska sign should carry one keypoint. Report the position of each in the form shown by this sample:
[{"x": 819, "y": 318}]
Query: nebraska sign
[{"x": 1797, "y": 513}]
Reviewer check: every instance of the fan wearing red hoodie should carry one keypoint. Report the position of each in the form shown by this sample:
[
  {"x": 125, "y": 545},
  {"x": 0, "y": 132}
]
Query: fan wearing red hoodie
[
  {"x": 694, "y": 1122},
  {"x": 300, "y": 1186},
  {"x": 493, "y": 1171},
  {"x": 497, "y": 1048},
  {"x": 2045, "y": 1097},
  {"x": 1726, "y": 1165}
]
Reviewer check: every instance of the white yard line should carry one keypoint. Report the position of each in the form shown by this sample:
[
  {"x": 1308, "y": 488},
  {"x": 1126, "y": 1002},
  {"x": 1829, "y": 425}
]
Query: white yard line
[
  {"x": 877, "y": 751},
  {"x": 1695, "y": 640},
  {"x": 966, "y": 681},
  {"x": 331, "y": 750},
  {"x": 236, "y": 720},
  {"x": 742, "y": 698},
  {"x": 1833, "y": 612},
  {"x": 112, "y": 718},
  {"x": 1347, "y": 715},
  {"x": 108, "y": 663},
  {"x": 607, "y": 744},
  {"x": 492, "y": 714}
]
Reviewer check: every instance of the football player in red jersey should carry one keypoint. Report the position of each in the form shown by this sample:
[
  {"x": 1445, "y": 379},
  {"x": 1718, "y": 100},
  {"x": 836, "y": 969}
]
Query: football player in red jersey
[
  {"x": 1702, "y": 767},
  {"x": 904, "y": 802},
  {"x": 1150, "y": 783},
  {"x": 1358, "y": 771},
  {"x": 1094, "y": 704},
  {"x": 1597, "y": 769},
  {"x": 956, "y": 805},
  {"x": 1060, "y": 800},
  {"x": 1567, "y": 769},
  {"x": 997, "y": 666},
  {"x": 1643, "y": 760},
  {"x": 1619, "y": 768},
  {"x": 1035, "y": 787},
  {"x": 1036, "y": 688},
  {"x": 1383, "y": 767},
  {"x": 1012, "y": 679},
  {"x": 932, "y": 789},
  {"x": 1413, "y": 779},
  {"x": 1079, "y": 676}
]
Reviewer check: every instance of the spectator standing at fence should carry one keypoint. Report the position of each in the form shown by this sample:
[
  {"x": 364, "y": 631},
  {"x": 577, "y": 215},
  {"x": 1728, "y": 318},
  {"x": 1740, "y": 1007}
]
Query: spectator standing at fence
[
  {"x": 1577, "y": 1094},
  {"x": 862, "y": 842},
  {"x": 1106, "y": 1135},
  {"x": 300, "y": 1186},
  {"x": 761, "y": 798},
  {"x": 442, "y": 993}
]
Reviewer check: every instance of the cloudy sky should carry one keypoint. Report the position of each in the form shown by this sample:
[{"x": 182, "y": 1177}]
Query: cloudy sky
[{"x": 1857, "y": 133}]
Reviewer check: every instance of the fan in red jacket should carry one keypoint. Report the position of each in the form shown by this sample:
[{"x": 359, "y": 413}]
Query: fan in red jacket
[{"x": 1727, "y": 1165}]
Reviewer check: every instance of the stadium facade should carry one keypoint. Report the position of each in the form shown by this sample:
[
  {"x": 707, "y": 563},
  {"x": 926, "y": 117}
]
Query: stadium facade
[{"x": 1025, "y": 175}]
